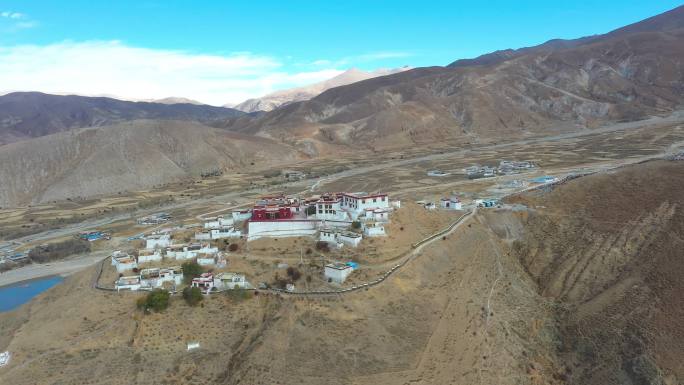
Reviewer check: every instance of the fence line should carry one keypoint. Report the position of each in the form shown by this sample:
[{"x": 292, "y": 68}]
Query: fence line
[{"x": 387, "y": 274}]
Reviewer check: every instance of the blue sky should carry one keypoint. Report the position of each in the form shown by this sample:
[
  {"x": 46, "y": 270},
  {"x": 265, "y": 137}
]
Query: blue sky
[{"x": 246, "y": 48}]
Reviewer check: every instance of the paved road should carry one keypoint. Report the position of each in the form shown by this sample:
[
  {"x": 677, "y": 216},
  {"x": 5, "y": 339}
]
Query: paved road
[{"x": 62, "y": 268}]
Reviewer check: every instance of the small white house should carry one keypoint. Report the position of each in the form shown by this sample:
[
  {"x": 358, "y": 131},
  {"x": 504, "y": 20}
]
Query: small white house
[
  {"x": 157, "y": 241},
  {"x": 206, "y": 259},
  {"x": 328, "y": 235},
  {"x": 128, "y": 283},
  {"x": 452, "y": 203},
  {"x": 123, "y": 262},
  {"x": 4, "y": 358},
  {"x": 155, "y": 278},
  {"x": 218, "y": 223},
  {"x": 377, "y": 215},
  {"x": 337, "y": 272},
  {"x": 218, "y": 233},
  {"x": 177, "y": 252},
  {"x": 204, "y": 282},
  {"x": 149, "y": 255},
  {"x": 340, "y": 238},
  {"x": 228, "y": 281},
  {"x": 182, "y": 252},
  {"x": 349, "y": 238},
  {"x": 374, "y": 229}
]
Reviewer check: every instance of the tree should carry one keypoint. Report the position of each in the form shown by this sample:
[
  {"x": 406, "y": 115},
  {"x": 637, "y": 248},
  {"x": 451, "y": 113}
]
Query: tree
[
  {"x": 157, "y": 300},
  {"x": 58, "y": 250},
  {"x": 233, "y": 247},
  {"x": 356, "y": 225},
  {"x": 191, "y": 270},
  {"x": 192, "y": 295}
]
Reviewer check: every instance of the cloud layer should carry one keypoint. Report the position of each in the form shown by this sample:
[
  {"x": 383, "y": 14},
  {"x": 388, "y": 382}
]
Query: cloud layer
[
  {"x": 116, "y": 69},
  {"x": 15, "y": 21}
]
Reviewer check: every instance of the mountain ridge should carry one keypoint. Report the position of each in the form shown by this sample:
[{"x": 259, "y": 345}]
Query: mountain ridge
[
  {"x": 277, "y": 99},
  {"x": 25, "y": 115},
  {"x": 629, "y": 73}
]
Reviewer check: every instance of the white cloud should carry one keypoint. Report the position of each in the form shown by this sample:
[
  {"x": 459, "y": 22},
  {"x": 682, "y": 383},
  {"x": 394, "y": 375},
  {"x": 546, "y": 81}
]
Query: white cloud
[
  {"x": 116, "y": 69},
  {"x": 15, "y": 21}
]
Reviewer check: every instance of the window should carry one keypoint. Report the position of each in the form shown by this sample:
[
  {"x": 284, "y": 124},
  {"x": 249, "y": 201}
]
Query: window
[{"x": 374, "y": 200}]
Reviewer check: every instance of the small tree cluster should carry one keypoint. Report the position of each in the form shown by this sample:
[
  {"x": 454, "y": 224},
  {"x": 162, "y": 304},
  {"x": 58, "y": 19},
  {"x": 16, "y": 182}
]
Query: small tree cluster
[
  {"x": 157, "y": 300},
  {"x": 192, "y": 296},
  {"x": 191, "y": 270},
  {"x": 58, "y": 250},
  {"x": 280, "y": 282}
]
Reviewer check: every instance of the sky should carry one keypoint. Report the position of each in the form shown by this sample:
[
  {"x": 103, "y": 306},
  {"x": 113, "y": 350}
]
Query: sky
[{"x": 223, "y": 52}]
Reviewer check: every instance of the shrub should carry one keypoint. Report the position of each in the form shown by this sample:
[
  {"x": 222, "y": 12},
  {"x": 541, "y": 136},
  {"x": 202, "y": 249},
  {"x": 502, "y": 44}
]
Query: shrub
[
  {"x": 279, "y": 282},
  {"x": 191, "y": 270},
  {"x": 322, "y": 246},
  {"x": 233, "y": 247},
  {"x": 192, "y": 296},
  {"x": 293, "y": 273},
  {"x": 157, "y": 300}
]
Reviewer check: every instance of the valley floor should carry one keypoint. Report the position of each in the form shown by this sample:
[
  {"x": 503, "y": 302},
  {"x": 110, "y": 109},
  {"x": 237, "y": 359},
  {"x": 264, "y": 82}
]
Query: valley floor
[{"x": 489, "y": 304}]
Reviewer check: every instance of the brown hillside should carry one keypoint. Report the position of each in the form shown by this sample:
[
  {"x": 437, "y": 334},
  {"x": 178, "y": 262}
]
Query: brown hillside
[
  {"x": 609, "y": 248},
  {"x": 128, "y": 156}
]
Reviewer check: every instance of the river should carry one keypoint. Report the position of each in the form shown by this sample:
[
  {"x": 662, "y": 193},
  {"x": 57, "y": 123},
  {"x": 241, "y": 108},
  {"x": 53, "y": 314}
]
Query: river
[{"x": 15, "y": 295}]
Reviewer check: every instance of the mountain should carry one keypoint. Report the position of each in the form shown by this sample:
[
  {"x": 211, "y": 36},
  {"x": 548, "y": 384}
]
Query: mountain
[
  {"x": 177, "y": 100},
  {"x": 627, "y": 74},
  {"x": 666, "y": 21},
  {"x": 280, "y": 98},
  {"x": 127, "y": 156},
  {"x": 32, "y": 114}
]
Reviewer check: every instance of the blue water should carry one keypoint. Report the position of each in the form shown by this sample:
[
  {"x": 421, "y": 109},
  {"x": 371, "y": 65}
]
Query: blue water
[{"x": 18, "y": 294}]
